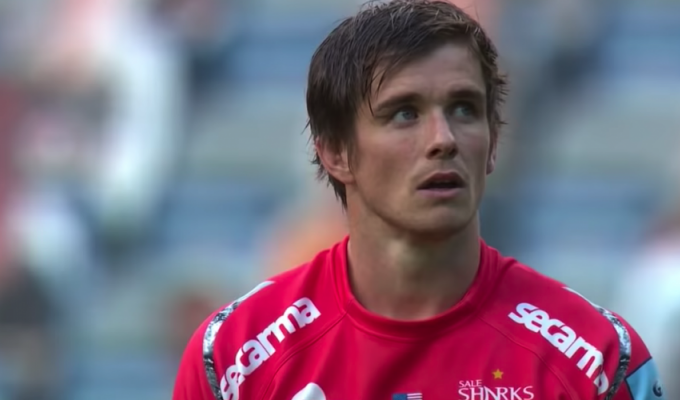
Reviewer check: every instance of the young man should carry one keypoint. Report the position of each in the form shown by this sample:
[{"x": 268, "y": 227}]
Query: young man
[{"x": 403, "y": 100}]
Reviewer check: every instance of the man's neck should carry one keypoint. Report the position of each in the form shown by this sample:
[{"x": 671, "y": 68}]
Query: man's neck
[{"x": 393, "y": 276}]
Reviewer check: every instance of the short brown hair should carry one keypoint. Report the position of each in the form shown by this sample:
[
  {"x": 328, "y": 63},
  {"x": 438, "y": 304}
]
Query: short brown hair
[{"x": 344, "y": 67}]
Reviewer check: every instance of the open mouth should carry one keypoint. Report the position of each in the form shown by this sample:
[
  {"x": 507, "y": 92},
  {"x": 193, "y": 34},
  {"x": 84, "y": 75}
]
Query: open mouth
[{"x": 443, "y": 182}]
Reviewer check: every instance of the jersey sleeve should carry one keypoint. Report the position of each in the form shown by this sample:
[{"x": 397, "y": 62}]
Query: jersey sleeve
[
  {"x": 191, "y": 382},
  {"x": 641, "y": 380},
  {"x": 208, "y": 358}
]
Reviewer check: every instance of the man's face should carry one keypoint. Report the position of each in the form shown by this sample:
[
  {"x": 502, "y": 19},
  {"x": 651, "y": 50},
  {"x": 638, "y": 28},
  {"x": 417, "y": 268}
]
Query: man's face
[{"x": 421, "y": 157}]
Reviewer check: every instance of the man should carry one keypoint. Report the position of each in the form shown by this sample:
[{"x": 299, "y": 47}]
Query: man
[{"x": 403, "y": 100}]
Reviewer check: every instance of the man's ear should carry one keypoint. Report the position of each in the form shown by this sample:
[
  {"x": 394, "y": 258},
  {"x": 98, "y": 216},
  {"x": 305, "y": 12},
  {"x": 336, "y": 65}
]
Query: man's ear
[
  {"x": 334, "y": 161},
  {"x": 491, "y": 160}
]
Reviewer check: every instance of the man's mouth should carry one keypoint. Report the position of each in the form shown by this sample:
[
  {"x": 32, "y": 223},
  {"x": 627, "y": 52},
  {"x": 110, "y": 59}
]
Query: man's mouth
[
  {"x": 443, "y": 185},
  {"x": 443, "y": 182}
]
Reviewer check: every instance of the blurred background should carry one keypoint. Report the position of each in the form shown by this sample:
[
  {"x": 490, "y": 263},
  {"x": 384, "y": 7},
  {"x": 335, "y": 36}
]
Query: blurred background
[{"x": 154, "y": 166}]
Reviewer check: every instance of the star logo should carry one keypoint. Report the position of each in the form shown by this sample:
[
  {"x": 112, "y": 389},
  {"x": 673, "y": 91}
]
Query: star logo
[{"x": 498, "y": 374}]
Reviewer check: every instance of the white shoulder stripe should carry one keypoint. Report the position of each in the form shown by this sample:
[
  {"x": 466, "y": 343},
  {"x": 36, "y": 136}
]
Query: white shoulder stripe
[
  {"x": 625, "y": 346},
  {"x": 211, "y": 334}
]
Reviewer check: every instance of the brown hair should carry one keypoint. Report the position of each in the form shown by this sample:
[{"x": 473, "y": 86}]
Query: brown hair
[{"x": 378, "y": 41}]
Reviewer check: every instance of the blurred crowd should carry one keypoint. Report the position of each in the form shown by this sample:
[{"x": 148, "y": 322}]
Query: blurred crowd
[{"x": 154, "y": 165}]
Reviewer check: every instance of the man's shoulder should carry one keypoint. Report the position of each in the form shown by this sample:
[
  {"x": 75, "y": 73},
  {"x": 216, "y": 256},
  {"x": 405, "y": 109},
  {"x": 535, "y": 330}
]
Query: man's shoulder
[
  {"x": 259, "y": 329},
  {"x": 306, "y": 287},
  {"x": 523, "y": 285},
  {"x": 590, "y": 348}
]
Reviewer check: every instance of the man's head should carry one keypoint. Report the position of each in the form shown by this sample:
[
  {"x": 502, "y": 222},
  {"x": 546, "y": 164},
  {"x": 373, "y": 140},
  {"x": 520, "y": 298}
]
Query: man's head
[{"x": 400, "y": 93}]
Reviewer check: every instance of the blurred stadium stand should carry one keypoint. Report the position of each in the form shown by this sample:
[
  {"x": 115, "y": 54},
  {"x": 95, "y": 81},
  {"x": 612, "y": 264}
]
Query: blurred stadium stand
[{"x": 591, "y": 171}]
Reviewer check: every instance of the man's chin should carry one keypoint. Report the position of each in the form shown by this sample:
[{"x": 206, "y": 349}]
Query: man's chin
[{"x": 442, "y": 225}]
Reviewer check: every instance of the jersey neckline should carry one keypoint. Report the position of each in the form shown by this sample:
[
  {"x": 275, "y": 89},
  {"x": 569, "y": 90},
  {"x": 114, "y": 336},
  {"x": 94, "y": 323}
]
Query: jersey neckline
[{"x": 472, "y": 301}]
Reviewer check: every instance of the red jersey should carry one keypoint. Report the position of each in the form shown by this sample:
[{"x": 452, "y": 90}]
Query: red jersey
[{"x": 516, "y": 335}]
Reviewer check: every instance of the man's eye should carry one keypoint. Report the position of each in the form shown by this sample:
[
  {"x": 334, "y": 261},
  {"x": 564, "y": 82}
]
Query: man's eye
[
  {"x": 464, "y": 110},
  {"x": 405, "y": 115}
]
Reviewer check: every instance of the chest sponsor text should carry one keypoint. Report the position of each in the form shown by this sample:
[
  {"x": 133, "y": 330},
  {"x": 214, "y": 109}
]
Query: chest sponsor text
[{"x": 259, "y": 349}]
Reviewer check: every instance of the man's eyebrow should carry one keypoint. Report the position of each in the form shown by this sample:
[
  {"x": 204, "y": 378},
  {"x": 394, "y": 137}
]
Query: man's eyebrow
[
  {"x": 468, "y": 93},
  {"x": 396, "y": 101}
]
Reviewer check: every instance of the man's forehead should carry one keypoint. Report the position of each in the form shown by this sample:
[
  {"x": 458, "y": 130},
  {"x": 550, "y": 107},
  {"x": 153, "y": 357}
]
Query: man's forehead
[{"x": 449, "y": 67}]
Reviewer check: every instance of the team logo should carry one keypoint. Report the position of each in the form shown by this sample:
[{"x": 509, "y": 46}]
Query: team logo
[
  {"x": 658, "y": 391},
  {"x": 496, "y": 390},
  {"x": 644, "y": 383}
]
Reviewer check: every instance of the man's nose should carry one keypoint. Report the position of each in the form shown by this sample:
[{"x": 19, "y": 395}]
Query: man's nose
[{"x": 442, "y": 142}]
